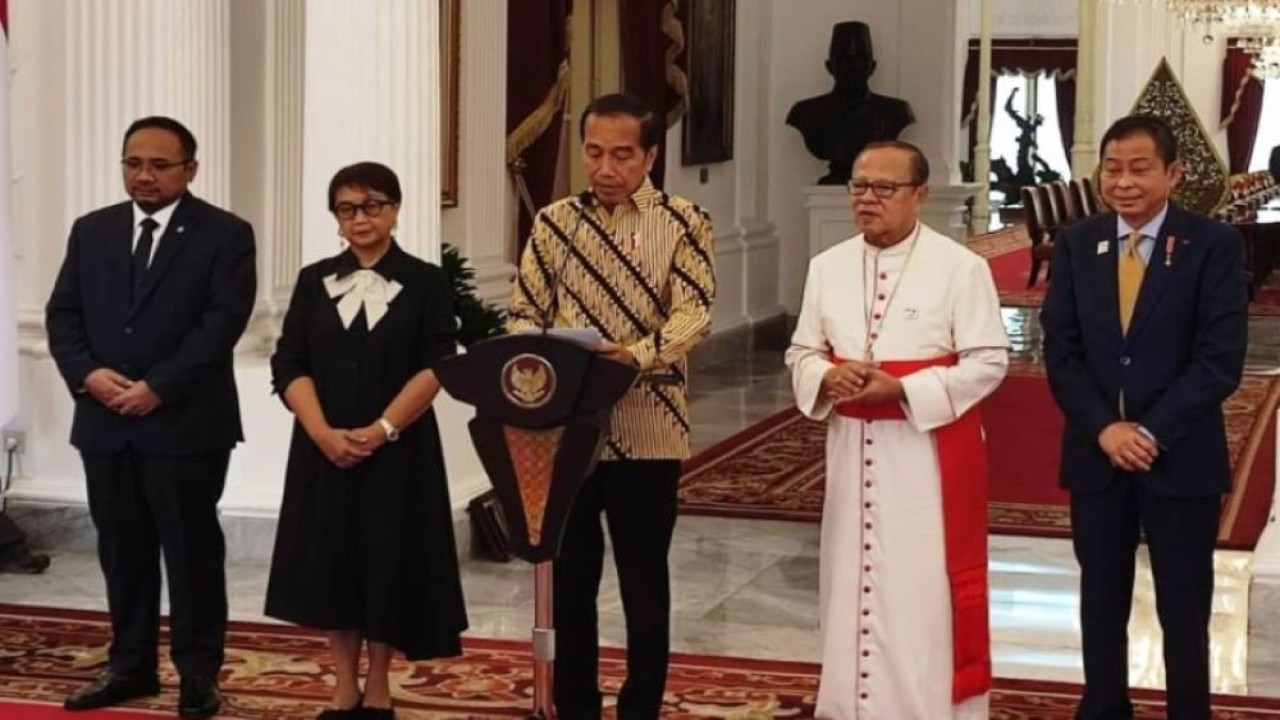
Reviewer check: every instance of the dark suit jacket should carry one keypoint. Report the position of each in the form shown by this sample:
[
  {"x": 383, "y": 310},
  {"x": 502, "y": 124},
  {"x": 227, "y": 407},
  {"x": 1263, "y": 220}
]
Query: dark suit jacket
[
  {"x": 1183, "y": 355},
  {"x": 178, "y": 335}
]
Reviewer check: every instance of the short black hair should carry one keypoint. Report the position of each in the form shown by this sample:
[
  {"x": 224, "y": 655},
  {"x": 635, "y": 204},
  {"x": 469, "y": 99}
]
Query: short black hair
[
  {"x": 185, "y": 138},
  {"x": 919, "y": 163},
  {"x": 651, "y": 127},
  {"x": 368, "y": 175},
  {"x": 1151, "y": 126}
]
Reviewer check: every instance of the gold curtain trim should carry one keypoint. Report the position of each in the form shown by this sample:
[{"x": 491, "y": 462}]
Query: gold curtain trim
[
  {"x": 1235, "y": 105},
  {"x": 676, "y": 77},
  {"x": 537, "y": 122}
]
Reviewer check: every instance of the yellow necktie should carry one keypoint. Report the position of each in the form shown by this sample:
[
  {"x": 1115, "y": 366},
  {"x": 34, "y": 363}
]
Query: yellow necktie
[{"x": 1130, "y": 276}]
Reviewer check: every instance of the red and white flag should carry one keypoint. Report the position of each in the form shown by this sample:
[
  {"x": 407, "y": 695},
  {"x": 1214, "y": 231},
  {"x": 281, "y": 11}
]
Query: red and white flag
[{"x": 8, "y": 248}]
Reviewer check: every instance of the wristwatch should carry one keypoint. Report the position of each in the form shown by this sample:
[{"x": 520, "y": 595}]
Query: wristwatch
[{"x": 392, "y": 433}]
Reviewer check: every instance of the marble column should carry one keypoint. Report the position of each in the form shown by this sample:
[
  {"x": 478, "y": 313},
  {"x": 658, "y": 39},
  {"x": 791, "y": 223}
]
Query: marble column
[
  {"x": 372, "y": 92},
  {"x": 474, "y": 225},
  {"x": 1084, "y": 154},
  {"x": 267, "y": 132},
  {"x": 982, "y": 150}
]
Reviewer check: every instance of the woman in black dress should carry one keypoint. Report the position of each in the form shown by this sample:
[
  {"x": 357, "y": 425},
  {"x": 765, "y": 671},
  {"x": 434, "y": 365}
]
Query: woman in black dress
[{"x": 364, "y": 548}]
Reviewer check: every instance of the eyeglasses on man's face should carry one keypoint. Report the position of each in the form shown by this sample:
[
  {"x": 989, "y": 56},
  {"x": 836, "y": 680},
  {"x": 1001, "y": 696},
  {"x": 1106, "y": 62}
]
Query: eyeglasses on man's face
[
  {"x": 159, "y": 166},
  {"x": 882, "y": 189},
  {"x": 371, "y": 208}
]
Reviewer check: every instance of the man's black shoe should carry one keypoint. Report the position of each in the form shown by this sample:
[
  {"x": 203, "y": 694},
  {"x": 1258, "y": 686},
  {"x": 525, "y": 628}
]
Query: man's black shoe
[
  {"x": 198, "y": 697},
  {"x": 111, "y": 690}
]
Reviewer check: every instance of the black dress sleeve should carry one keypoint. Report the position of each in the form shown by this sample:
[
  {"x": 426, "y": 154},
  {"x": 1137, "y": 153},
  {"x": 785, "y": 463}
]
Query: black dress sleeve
[
  {"x": 439, "y": 331},
  {"x": 291, "y": 359}
]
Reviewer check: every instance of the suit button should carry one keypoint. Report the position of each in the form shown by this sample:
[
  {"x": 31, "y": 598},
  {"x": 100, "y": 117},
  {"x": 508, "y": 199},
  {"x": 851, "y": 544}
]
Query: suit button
[
  {"x": 126, "y": 367},
  {"x": 1125, "y": 360},
  {"x": 128, "y": 329}
]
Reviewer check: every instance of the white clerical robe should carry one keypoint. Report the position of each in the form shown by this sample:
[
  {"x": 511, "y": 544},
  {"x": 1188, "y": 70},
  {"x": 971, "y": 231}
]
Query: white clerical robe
[{"x": 885, "y": 600}]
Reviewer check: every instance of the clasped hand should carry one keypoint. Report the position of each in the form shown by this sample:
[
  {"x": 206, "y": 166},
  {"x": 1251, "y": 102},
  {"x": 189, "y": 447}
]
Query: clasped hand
[
  {"x": 347, "y": 448},
  {"x": 118, "y": 393},
  {"x": 861, "y": 383},
  {"x": 1126, "y": 446}
]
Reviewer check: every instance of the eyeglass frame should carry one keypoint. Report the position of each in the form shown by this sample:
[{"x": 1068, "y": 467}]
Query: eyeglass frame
[
  {"x": 367, "y": 207},
  {"x": 876, "y": 187},
  {"x": 156, "y": 166}
]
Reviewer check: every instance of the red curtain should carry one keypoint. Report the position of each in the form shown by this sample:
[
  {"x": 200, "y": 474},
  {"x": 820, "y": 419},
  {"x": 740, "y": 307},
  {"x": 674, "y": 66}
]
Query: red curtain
[
  {"x": 537, "y": 84},
  {"x": 1026, "y": 56},
  {"x": 651, "y": 41},
  {"x": 1241, "y": 106}
]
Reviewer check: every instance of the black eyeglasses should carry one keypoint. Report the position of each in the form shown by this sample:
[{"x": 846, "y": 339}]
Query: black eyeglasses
[
  {"x": 883, "y": 189},
  {"x": 156, "y": 167},
  {"x": 372, "y": 208}
]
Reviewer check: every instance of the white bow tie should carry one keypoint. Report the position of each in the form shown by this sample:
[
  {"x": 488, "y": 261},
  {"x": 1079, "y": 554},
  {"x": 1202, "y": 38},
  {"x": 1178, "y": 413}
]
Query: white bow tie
[{"x": 362, "y": 288}]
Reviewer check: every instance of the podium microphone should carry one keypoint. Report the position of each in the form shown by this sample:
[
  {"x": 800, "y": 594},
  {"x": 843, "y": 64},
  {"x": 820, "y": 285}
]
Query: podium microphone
[{"x": 585, "y": 199}]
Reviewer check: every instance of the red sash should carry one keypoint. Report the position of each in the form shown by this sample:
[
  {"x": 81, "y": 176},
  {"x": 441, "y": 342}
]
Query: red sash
[{"x": 962, "y": 462}]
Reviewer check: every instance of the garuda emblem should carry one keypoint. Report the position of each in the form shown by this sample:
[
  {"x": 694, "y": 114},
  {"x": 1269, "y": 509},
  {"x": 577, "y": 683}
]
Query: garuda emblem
[{"x": 528, "y": 381}]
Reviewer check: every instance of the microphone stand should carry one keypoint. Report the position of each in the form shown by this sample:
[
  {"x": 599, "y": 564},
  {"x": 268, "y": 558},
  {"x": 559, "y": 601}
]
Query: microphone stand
[{"x": 543, "y": 640}]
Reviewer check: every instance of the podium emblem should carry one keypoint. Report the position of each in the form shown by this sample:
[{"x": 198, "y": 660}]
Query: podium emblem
[{"x": 528, "y": 381}]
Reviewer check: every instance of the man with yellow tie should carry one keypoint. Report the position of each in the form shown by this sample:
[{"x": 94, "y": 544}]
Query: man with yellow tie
[{"x": 1145, "y": 326}]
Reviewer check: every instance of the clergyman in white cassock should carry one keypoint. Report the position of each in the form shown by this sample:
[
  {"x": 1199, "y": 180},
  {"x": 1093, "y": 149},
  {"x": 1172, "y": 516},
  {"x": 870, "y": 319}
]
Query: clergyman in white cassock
[{"x": 926, "y": 307}]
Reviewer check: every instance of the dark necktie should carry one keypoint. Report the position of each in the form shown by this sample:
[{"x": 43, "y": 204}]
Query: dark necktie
[{"x": 142, "y": 253}]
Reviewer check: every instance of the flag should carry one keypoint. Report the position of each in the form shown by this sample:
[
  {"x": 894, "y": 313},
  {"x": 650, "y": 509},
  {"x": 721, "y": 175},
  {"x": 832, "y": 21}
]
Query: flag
[{"x": 8, "y": 276}]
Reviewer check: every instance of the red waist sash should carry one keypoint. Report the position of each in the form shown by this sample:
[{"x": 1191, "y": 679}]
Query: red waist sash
[{"x": 962, "y": 464}]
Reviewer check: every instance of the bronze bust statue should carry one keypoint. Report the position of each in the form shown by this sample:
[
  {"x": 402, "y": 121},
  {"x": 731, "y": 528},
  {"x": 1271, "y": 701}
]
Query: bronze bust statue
[{"x": 836, "y": 126}]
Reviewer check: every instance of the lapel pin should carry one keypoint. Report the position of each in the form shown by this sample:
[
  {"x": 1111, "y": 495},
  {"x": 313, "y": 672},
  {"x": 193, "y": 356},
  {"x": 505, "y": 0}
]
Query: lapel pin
[
  {"x": 1168, "y": 250},
  {"x": 1103, "y": 247}
]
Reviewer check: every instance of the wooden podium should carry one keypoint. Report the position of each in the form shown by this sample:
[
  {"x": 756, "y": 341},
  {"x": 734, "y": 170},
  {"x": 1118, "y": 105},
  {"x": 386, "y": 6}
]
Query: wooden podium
[{"x": 542, "y": 409}]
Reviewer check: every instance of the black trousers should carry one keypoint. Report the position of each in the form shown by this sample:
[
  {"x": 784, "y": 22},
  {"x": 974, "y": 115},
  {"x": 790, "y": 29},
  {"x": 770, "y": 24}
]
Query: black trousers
[
  {"x": 638, "y": 499},
  {"x": 1180, "y": 534},
  {"x": 141, "y": 505}
]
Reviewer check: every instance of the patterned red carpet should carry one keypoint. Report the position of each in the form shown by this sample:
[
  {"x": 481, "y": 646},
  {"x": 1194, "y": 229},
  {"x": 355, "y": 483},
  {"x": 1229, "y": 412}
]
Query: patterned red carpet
[
  {"x": 1007, "y": 252},
  {"x": 775, "y": 470},
  {"x": 278, "y": 673}
]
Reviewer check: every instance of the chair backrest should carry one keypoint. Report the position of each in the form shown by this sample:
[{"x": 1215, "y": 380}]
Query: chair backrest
[
  {"x": 1075, "y": 199},
  {"x": 1067, "y": 211},
  {"x": 1087, "y": 197},
  {"x": 1033, "y": 213},
  {"x": 1053, "y": 212}
]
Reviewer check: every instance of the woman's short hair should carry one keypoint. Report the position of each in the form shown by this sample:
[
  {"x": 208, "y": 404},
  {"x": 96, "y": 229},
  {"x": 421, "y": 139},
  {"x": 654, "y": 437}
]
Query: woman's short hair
[{"x": 368, "y": 175}]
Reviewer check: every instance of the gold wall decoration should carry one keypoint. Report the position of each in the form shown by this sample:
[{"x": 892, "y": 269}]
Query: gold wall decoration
[{"x": 1204, "y": 175}]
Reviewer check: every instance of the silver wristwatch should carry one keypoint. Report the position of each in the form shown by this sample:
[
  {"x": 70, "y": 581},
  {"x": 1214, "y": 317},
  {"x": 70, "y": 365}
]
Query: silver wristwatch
[{"x": 392, "y": 433}]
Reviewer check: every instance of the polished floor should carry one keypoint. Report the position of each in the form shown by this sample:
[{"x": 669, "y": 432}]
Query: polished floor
[{"x": 749, "y": 587}]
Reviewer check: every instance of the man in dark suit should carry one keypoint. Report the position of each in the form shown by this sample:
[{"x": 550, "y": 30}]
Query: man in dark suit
[
  {"x": 151, "y": 299},
  {"x": 1145, "y": 327}
]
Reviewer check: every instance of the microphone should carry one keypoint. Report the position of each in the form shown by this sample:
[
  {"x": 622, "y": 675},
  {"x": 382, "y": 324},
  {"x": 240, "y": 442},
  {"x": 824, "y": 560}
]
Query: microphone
[{"x": 585, "y": 200}]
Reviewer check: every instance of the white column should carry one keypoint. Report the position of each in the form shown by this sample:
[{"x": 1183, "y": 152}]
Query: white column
[
  {"x": 372, "y": 92},
  {"x": 1084, "y": 153},
  {"x": 148, "y": 57},
  {"x": 982, "y": 149},
  {"x": 476, "y": 226}
]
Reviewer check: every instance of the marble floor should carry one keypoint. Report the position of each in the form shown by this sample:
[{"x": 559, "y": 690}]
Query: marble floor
[{"x": 749, "y": 587}]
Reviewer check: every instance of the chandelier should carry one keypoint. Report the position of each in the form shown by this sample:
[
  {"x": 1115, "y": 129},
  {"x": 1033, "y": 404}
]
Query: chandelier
[{"x": 1260, "y": 18}]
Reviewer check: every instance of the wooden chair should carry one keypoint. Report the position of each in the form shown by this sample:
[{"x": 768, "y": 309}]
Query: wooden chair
[
  {"x": 1088, "y": 198},
  {"x": 1068, "y": 211},
  {"x": 1036, "y": 212},
  {"x": 1075, "y": 199}
]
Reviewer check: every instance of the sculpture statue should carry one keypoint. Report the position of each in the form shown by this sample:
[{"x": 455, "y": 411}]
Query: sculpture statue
[{"x": 836, "y": 126}]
